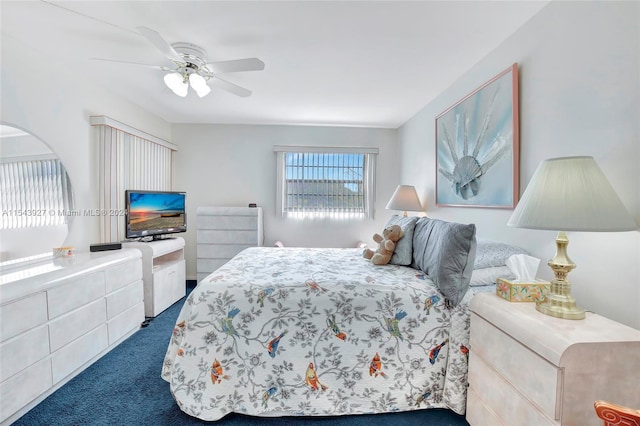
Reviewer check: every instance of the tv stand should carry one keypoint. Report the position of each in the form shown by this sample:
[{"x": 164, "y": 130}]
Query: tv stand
[
  {"x": 149, "y": 238},
  {"x": 163, "y": 273}
]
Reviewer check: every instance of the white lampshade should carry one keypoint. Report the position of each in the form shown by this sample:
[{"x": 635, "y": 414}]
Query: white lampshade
[
  {"x": 406, "y": 199},
  {"x": 196, "y": 81},
  {"x": 571, "y": 194},
  {"x": 176, "y": 83},
  {"x": 203, "y": 91},
  {"x": 199, "y": 84}
]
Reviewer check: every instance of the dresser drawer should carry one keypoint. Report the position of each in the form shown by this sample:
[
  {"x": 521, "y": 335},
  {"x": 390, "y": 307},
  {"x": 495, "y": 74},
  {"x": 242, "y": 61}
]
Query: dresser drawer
[
  {"x": 119, "y": 301},
  {"x": 220, "y": 251},
  {"x": 76, "y": 354},
  {"x": 21, "y": 315},
  {"x": 121, "y": 275},
  {"x": 478, "y": 414},
  {"x": 79, "y": 291},
  {"x": 69, "y": 327},
  {"x": 126, "y": 322},
  {"x": 228, "y": 222},
  {"x": 23, "y": 350},
  {"x": 506, "y": 402},
  {"x": 204, "y": 265},
  {"x": 227, "y": 237},
  {"x": 532, "y": 375},
  {"x": 24, "y": 387}
]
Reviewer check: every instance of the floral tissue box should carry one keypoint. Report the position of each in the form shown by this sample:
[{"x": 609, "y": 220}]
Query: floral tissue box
[{"x": 516, "y": 291}]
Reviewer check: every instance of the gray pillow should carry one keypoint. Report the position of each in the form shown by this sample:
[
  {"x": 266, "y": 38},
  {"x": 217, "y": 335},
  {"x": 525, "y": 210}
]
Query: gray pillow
[
  {"x": 445, "y": 251},
  {"x": 404, "y": 246}
]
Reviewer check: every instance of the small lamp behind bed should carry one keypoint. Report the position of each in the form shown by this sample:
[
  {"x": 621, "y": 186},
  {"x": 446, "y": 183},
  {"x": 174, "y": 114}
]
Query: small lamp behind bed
[{"x": 406, "y": 199}]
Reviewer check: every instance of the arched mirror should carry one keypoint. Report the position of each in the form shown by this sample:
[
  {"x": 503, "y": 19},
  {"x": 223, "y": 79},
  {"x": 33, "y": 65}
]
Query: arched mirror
[{"x": 36, "y": 196}]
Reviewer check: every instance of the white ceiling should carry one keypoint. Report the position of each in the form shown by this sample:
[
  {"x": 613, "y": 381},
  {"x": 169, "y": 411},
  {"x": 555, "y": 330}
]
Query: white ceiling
[{"x": 359, "y": 63}]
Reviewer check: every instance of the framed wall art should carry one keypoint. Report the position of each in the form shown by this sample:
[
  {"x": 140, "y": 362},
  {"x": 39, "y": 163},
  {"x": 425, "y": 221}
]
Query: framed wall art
[{"x": 477, "y": 147}]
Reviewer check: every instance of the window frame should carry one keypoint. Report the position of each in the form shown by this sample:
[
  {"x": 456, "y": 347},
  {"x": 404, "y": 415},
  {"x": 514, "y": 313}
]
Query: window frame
[{"x": 369, "y": 174}]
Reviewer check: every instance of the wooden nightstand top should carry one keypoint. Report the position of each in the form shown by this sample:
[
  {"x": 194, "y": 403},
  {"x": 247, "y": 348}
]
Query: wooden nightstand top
[{"x": 548, "y": 336}]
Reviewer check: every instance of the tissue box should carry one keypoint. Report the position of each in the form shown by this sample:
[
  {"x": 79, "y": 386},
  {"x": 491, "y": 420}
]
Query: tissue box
[
  {"x": 516, "y": 291},
  {"x": 68, "y": 251}
]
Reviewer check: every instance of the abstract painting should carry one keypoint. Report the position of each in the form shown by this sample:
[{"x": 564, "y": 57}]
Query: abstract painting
[{"x": 477, "y": 147}]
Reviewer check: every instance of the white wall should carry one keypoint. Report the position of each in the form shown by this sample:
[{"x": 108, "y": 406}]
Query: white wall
[
  {"x": 579, "y": 95},
  {"x": 234, "y": 165},
  {"x": 54, "y": 105}
]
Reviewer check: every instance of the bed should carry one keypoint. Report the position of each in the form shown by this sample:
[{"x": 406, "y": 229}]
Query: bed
[{"x": 318, "y": 332}]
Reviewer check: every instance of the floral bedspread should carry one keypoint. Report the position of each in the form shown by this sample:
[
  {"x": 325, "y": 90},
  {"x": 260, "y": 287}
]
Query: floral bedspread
[{"x": 303, "y": 331}]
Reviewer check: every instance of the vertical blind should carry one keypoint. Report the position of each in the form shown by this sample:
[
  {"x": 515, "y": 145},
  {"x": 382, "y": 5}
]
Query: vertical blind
[
  {"x": 326, "y": 182},
  {"x": 127, "y": 159},
  {"x": 34, "y": 192}
]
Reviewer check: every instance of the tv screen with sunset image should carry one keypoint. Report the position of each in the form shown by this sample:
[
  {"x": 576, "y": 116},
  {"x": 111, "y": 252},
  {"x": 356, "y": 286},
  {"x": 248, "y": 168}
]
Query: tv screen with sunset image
[{"x": 155, "y": 213}]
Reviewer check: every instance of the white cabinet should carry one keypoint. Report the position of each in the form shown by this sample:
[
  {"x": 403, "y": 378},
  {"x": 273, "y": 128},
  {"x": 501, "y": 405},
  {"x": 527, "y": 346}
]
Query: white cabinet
[
  {"x": 527, "y": 368},
  {"x": 223, "y": 232},
  {"x": 163, "y": 271},
  {"x": 59, "y": 316}
]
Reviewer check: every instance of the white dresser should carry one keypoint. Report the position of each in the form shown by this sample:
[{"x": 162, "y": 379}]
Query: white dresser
[
  {"x": 223, "y": 232},
  {"x": 57, "y": 317},
  {"x": 526, "y": 368}
]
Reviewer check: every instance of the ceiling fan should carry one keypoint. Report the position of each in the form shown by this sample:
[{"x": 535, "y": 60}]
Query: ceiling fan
[{"x": 190, "y": 67}]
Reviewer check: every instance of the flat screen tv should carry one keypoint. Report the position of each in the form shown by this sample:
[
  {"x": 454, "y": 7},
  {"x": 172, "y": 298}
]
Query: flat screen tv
[{"x": 154, "y": 213}]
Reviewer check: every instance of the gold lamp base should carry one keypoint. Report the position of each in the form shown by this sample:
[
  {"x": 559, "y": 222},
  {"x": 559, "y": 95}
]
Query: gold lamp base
[
  {"x": 559, "y": 302},
  {"x": 560, "y": 307}
]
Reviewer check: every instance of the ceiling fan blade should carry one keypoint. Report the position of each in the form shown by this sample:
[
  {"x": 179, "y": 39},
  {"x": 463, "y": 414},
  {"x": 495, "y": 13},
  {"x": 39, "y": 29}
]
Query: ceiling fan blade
[
  {"x": 157, "y": 67},
  {"x": 237, "y": 65},
  {"x": 230, "y": 87},
  {"x": 156, "y": 39}
]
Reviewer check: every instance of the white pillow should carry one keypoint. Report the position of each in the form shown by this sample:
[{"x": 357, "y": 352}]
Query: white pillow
[
  {"x": 488, "y": 276},
  {"x": 403, "y": 252},
  {"x": 491, "y": 253}
]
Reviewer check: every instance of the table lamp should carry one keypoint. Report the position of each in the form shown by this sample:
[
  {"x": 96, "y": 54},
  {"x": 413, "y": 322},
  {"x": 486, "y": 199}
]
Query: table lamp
[
  {"x": 569, "y": 194},
  {"x": 406, "y": 199}
]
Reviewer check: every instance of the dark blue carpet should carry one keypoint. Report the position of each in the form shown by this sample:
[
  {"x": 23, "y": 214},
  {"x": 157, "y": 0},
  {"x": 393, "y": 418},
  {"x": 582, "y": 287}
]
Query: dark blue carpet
[{"x": 124, "y": 388}]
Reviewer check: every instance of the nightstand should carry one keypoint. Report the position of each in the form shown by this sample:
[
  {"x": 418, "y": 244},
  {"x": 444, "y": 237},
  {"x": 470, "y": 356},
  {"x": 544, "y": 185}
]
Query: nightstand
[{"x": 526, "y": 368}]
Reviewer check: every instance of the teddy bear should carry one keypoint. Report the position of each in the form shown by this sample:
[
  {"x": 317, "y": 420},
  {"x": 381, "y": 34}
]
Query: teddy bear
[{"x": 386, "y": 245}]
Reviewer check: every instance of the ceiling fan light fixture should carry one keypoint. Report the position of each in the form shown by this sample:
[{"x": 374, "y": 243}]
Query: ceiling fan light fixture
[
  {"x": 197, "y": 81},
  {"x": 203, "y": 91},
  {"x": 176, "y": 83},
  {"x": 172, "y": 80},
  {"x": 199, "y": 84},
  {"x": 182, "y": 91},
  {"x": 192, "y": 68}
]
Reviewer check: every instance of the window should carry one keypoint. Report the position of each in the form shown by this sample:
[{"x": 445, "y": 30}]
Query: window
[{"x": 326, "y": 182}]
